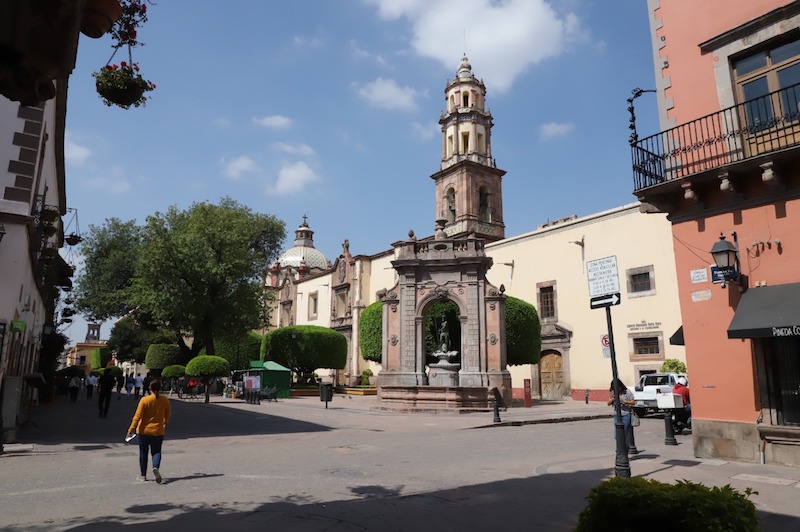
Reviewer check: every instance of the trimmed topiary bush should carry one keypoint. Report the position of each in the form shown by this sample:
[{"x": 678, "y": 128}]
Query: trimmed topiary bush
[
  {"x": 369, "y": 332},
  {"x": 239, "y": 352},
  {"x": 159, "y": 356},
  {"x": 523, "y": 333},
  {"x": 303, "y": 348},
  {"x": 207, "y": 367},
  {"x": 175, "y": 370},
  {"x": 639, "y": 504},
  {"x": 99, "y": 357}
]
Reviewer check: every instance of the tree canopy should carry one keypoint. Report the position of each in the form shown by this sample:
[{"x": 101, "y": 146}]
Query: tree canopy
[
  {"x": 104, "y": 283},
  {"x": 130, "y": 338},
  {"x": 304, "y": 348},
  {"x": 193, "y": 271},
  {"x": 206, "y": 367}
]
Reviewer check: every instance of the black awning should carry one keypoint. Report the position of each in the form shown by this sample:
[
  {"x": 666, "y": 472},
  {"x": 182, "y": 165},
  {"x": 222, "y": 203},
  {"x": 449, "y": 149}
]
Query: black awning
[
  {"x": 63, "y": 272},
  {"x": 770, "y": 311},
  {"x": 677, "y": 337}
]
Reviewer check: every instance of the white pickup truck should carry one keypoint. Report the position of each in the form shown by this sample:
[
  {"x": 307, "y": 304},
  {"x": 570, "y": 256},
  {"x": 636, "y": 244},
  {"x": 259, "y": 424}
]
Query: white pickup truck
[{"x": 648, "y": 386}]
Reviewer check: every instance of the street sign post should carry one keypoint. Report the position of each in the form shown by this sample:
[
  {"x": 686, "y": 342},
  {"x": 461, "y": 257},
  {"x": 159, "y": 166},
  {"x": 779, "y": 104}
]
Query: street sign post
[
  {"x": 604, "y": 292},
  {"x": 605, "y": 301}
]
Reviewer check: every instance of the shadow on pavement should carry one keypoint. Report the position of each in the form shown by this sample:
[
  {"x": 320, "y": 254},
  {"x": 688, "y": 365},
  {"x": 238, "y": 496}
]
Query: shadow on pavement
[{"x": 548, "y": 502}]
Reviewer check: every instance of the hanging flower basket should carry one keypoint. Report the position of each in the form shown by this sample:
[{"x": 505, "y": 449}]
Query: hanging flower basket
[
  {"x": 122, "y": 85},
  {"x": 98, "y": 16},
  {"x": 73, "y": 239}
]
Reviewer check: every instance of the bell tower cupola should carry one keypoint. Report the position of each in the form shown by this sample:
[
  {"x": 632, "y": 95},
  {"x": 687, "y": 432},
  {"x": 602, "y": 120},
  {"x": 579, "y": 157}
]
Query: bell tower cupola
[{"x": 468, "y": 184}]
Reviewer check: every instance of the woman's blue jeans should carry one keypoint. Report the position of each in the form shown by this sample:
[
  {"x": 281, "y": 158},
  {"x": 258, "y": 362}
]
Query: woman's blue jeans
[
  {"x": 626, "y": 422},
  {"x": 153, "y": 444}
]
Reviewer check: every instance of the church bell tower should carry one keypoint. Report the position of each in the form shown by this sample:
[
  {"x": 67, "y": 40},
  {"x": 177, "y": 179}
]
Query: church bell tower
[{"x": 469, "y": 193}]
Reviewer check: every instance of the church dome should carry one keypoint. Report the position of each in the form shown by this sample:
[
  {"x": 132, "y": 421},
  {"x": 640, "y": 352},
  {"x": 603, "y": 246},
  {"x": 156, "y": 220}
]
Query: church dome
[{"x": 304, "y": 251}]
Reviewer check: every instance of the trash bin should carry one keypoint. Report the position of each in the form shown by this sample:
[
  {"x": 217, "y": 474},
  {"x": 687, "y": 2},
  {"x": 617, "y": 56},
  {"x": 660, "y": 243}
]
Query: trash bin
[{"x": 326, "y": 392}]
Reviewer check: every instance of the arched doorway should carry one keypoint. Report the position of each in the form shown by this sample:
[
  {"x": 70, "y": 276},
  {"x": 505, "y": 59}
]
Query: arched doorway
[{"x": 551, "y": 374}]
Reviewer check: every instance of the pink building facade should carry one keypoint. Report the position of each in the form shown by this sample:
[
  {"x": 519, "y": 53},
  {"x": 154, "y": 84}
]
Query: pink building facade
[{"x": 726, "y": 164}]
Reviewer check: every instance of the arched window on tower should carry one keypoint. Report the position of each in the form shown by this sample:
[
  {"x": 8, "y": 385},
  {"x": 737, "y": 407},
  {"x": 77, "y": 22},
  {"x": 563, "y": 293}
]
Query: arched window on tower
[
  {"x": 465, "y": 99},
  {"x": 452, "y": 102},
  {"x": 450, "y": 205},
  {"x": 484, "y": 208}
]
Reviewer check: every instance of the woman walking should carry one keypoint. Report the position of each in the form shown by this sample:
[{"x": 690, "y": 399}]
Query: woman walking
[{"x": 149, "y": 423}]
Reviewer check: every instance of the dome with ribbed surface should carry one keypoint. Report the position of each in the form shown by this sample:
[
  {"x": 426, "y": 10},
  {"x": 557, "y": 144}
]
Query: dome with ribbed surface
[{"x": 304, "y": 251}]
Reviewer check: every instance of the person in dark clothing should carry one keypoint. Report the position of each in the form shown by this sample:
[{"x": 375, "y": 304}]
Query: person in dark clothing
[
  {"x": 120, "y": 384},
  {"x": 146, "y": 384},
  {"x": 105, "y": 388}
]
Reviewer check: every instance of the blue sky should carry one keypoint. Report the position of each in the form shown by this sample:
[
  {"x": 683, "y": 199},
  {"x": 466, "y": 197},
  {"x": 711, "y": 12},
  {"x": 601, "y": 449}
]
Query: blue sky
[{"x": 330, "y": 109}]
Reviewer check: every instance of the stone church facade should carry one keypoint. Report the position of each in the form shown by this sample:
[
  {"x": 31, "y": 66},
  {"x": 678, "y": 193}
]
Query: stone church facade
[{"x": 545, "y": 267}]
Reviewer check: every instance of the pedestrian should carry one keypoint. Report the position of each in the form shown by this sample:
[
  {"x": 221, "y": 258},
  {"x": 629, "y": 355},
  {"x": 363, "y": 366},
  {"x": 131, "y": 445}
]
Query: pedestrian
[
  {"x": 149, "y": 423},
  {"x": 104, "y": 390},
  {"x": 91, "y": 382},
  {"x": 74, "y": 388},
  {"x": 128, "y": 385},
  {"x": 120, "y": 384},
  {"x": 137, "y": 385},
  {"x": 626, "y": 401},
  {"x": 146, "y": 384}
]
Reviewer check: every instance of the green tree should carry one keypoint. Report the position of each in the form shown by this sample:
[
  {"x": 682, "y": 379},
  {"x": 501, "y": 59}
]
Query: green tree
[
  {"x": 99, "y": 357},
  {"x": 207, "y": 367},
  {"x": 240, "y": 351},
  {"x": 304, "y": 348},
  {"x": 104, "y": 283},
  {"x": 199, "y": 269},
  {"x": 369, "y": 332},
  {"x": 130, "y": 338},
  {"x": 673, "y": 365},
  {"x": 523, "y": 333}
]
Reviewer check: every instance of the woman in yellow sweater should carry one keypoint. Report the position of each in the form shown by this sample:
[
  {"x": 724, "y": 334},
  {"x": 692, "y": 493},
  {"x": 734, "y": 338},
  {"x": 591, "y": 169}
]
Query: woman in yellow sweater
[{"x": 149, "y": 423}]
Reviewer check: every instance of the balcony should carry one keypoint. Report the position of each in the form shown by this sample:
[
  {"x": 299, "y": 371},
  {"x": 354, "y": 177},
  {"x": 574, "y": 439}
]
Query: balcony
[{"x": 745, "y": 132}]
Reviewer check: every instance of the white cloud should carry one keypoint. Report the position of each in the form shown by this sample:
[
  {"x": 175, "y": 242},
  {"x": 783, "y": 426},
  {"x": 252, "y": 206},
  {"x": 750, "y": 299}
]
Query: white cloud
[
  {"x": 294, "y": 149},
  {"x": 239, "y": 166},
  {"x": 425, "y": 131},
  {"x": 503, "y": 38},
  {"x": 115, "y": 185},
  {"x": 292, "y": 178},
  {"x": 360, "y": 53},
  {"x": 553, "y": 130},
  {"x": 387, "y": 94},
  {"x": 75, "y": 153},
  {"x": 221, "y": 121},
  {"x": 274, "y": 121},
  {"x": 299, "y": 40}
]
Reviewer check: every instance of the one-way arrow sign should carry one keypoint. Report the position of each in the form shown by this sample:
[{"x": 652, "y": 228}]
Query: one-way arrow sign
[{"x": 607, "y": 300}]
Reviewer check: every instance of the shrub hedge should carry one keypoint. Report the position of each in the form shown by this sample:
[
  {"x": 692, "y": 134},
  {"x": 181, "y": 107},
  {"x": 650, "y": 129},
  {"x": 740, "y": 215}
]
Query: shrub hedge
[
  {"x": 175, "y": 370},
  {"x": 206, "y": 366},
  {"x": 303, "y": 348},
  {"x": 639, "y": 504},
  {"x": 159, "y": 356},
  {"x": 369, "y": 332},
  {"x": 239, "y": 352}
]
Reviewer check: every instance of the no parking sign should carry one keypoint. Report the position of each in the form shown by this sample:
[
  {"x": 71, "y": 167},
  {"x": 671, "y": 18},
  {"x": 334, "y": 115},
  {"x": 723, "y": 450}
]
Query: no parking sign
[{"x": 606, "y": 345}]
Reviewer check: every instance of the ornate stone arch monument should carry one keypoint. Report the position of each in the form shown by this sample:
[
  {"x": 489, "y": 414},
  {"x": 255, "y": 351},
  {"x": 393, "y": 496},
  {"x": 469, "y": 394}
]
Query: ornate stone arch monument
[{"x": 434, "y": 270}]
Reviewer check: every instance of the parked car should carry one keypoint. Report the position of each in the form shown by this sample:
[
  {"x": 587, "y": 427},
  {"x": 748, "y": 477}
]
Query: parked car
[{"x": 649, "y": 385}]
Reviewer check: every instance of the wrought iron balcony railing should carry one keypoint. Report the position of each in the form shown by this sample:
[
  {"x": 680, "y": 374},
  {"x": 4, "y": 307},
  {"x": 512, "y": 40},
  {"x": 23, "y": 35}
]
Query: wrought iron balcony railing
[{"x": 750, "y": 129}]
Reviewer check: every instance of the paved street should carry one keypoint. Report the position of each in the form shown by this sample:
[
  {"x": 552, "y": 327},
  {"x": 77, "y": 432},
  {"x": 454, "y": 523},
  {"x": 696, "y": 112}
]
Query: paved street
[{"x": 293, "y": 465}]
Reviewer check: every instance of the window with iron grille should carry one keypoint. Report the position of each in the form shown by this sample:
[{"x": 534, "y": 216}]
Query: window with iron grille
[
  {"x": 641, "y": 281},
  {"x": 547, "y": 302},
  {"x": 648, "y": 345}
]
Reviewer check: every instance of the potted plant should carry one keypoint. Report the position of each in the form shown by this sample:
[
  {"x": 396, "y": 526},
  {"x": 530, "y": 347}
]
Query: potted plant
[
  {"x": 73, "y": 239},
  {"x": 122, "y": 85}
]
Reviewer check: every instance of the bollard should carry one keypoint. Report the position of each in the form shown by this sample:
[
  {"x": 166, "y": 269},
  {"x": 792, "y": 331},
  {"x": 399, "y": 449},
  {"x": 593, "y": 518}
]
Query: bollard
[
  {"x": 586, "y": 396},
  {"x": 498, "y": 400},
  {"x": 669, "y": 433}
]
